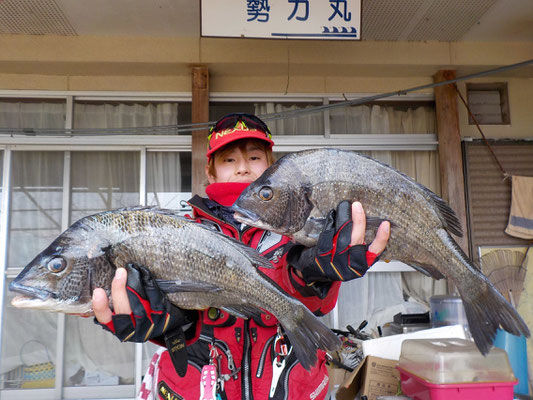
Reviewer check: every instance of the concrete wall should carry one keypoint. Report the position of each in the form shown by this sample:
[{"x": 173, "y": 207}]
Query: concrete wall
[{"x": 276, "y": 67}]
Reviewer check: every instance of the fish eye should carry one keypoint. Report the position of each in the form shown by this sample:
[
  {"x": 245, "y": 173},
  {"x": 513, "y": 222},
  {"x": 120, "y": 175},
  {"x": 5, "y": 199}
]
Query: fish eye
[
  {"x": 265, "y": 193},
  {"x": 56, "y": 264}
]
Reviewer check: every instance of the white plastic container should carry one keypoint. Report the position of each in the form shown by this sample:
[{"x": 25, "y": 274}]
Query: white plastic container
[
  {"x": 444, "y": 361},
  {"x": 390, "y": 346}
]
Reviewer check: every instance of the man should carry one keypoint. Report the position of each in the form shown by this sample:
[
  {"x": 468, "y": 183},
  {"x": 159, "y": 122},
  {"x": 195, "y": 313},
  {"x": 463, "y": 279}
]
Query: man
[{"x": 248, "y": 357}]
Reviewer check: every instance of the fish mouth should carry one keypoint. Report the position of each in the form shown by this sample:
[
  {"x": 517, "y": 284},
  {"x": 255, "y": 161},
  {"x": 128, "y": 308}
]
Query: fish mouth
[
  {"x": 31, "y": 292},
  {"x": 45, "y": 300},
  {"x": 250, "y": 218},
  {"x": 245, "y": 216},
  {"x": 53, "y": 305}
]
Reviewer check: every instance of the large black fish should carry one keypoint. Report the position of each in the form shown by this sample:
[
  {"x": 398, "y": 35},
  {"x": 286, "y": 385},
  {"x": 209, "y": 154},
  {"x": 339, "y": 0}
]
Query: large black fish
[
  {"x": 197, "y": 267},
  {"x": 310, "y": 183}
]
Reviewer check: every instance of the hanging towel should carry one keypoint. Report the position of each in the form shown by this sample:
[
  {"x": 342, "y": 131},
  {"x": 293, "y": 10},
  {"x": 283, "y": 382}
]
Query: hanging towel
[{"x": 521, "y": 215}]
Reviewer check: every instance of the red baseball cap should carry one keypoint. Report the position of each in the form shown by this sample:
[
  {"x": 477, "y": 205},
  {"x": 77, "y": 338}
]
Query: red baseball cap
[{"x": 234, "y": 127}]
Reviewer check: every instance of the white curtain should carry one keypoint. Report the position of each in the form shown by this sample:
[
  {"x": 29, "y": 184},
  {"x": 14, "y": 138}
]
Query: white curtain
[
  {"x": 377, "y": 297},
  {"x": 23, "y": 114},
  {"x": 308, "y": 124},
  {"x": 367, "y": 119},
  {"x": 164, "y": 180},
  {"x": 120, "y": 115}
]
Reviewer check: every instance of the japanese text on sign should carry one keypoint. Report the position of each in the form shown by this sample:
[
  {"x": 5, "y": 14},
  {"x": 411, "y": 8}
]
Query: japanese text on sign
[{"x": 296, "y": 19}]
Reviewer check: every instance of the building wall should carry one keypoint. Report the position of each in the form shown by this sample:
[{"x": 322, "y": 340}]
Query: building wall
[
  {"x": 520, "y": 93},
  {"x": 276, "y": 67}
]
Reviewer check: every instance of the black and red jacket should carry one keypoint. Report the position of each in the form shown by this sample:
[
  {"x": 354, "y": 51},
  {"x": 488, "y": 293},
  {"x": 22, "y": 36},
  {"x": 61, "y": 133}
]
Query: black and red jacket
[{"x": 245, "y": 347}]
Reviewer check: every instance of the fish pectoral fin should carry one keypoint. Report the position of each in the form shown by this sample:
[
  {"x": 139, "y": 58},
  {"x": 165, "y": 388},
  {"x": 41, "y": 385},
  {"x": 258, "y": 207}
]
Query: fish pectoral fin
[
  {"x": 174, "y": 286},
  {"x": 243, "y": 310},
  {"x": 250, "y": 253},
  {"x": 428, "y": 271},
  {"x": 375, "y": 222}
]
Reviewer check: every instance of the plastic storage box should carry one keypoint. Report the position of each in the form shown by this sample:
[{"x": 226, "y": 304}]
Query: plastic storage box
[
  {"x": 454, "y": 369},
  {"x": 447, "y": 310}
]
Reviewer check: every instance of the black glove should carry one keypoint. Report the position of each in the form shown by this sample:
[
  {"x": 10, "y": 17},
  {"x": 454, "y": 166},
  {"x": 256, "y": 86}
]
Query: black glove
[
  {"x": 333, "y": 259},
  {"x": 153, "y": 317}
]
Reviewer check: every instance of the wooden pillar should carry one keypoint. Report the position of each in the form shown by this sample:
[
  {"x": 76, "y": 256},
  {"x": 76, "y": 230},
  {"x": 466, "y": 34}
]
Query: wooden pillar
[
  {"x": 200, "y": 113},
  {"x": 450, "y": 157}
]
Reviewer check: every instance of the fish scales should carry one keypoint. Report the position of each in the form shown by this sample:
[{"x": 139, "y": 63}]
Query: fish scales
[
  {"x": 313, "y": 182},
  {"x": 197, "y": 255},
  {"x": 200, "y": 261},
  {"x": 197, "y": 267},
  {"x": 332, "y": 179}
]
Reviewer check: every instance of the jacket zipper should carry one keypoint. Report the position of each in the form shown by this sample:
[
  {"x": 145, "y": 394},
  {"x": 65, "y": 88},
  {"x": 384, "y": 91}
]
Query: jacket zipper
[
  {"x": 245, "y": 372},
  {"x": 262, "y": 359},
  {"x": 245, "y": 366},
  {"x": 286, "y": 378}
]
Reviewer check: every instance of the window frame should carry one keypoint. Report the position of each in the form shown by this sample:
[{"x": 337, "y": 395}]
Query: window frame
[{"x": 503, "y": 90}]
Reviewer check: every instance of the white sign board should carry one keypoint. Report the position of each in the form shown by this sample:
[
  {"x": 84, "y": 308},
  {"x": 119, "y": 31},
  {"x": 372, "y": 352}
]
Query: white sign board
[{"x": 282, "y": 19}]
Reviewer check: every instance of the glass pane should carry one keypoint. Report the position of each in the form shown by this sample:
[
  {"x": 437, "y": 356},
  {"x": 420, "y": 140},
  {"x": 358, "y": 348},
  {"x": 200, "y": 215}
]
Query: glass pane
[
  {"x": 16, "y": 113},
  {"x": 219, "y": 109},
  {"x": 422, "y": 166},
  {"x": 94, "y": 357},
  {"x": 36, "y": 199},
  {"x": 124, "y": 115},
  {"x": 103, "y": 181},
  {"x": 184, "y": 115},
  {"x": 305, "y": 124},
  {"x": 396, "y": 118},
  {"x": 99, "y": 181},
  {"x": 29, "y": 337},
  {"x": 168, "y": 179}
]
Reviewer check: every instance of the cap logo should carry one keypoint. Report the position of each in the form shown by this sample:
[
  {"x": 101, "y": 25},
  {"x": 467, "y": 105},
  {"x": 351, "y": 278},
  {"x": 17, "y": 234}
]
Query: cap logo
[{"x": 240, "y": 126}]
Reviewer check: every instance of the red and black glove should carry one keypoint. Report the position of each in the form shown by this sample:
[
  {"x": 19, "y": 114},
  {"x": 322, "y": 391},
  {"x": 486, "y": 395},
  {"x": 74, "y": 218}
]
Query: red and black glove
[
  {"x": 333, "y": 259},
  {"x": 153, "y": 317}
]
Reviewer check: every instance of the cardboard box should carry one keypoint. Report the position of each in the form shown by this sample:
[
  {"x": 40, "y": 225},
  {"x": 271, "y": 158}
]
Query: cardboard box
[
  {"x": 337, "y": 376},
  {"x": 373, "y": 377}
]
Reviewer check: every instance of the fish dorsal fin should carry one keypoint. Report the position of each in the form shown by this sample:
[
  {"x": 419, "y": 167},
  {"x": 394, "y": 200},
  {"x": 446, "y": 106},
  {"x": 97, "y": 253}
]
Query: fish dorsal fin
[
  {"x": 255, "y": 258},
  {"x": 153, "y": 209},
  {"x": 175, "y": 286},
  {"x": 445, "y": 213}
]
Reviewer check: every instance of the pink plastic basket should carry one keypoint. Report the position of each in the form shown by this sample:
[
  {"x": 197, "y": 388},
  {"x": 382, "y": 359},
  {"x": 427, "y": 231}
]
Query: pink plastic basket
[{"x": 419, "y": 389}]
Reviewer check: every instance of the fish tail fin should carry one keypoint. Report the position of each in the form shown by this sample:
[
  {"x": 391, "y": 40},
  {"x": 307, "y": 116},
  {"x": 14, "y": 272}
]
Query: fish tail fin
[
  {"x": 485, "y": 308},
  {"x": 307, "y": 335},
  {"x": 487, "y": 313}
]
